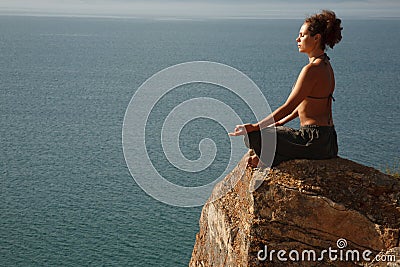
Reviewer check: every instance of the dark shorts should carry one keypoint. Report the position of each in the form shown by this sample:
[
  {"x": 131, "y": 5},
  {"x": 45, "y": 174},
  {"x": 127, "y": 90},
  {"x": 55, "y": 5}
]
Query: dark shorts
[{"x": 309, "y": 142}]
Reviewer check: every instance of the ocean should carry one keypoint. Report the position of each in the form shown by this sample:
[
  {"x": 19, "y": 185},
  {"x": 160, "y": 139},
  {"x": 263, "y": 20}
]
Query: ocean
[{"x": 67, "y": 195}]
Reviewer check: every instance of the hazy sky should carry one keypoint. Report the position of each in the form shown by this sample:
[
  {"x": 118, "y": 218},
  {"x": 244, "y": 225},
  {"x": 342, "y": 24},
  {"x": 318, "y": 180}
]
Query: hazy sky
[{"x": 203, "y": 8}]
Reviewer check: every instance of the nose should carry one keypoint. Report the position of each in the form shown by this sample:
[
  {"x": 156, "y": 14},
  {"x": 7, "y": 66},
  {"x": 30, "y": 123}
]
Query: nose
[{"x": 298, "y": 39}]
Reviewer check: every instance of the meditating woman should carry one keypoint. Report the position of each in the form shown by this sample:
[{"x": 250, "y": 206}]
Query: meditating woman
[{"x": 310, "y": 100}]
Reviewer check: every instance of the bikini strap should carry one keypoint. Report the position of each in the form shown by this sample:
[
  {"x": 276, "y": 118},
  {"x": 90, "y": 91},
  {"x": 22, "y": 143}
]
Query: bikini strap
[
  {"x": 324, "y": 97},
  {"x": 329, "y": 97},
  {"x": 323, "y": 56}
]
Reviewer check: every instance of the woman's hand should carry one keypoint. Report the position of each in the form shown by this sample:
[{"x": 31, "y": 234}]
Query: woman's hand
[
  {"x": 242, "y": 129},
  {"x": 239, "y": 130}
]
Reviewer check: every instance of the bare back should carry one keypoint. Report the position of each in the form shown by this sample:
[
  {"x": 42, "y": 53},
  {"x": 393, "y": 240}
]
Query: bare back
[{"x": 316, "y": 108}]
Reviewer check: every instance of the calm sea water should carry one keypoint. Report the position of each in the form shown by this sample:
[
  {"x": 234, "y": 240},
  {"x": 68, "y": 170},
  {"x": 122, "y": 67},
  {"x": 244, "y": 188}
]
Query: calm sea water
[{"x": 67, "y": 197}]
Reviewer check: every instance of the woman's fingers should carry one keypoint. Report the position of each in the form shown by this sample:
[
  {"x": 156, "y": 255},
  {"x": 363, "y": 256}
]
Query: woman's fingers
[{"x": 239, "y": 130}]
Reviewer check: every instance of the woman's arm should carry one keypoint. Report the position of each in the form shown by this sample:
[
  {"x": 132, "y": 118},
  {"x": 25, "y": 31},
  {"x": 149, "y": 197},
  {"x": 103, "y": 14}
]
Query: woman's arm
[
  {"x": 288, "y": 118},
  {"x": 303, "y": 87}
]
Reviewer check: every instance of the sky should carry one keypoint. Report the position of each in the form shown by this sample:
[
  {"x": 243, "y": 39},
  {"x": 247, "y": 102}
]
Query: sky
[{"x": 203, "y": 8}]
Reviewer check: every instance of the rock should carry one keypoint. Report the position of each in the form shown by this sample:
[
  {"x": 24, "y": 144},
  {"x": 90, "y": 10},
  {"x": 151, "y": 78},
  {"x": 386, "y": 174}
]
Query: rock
[{"x": 301, "y": 207}]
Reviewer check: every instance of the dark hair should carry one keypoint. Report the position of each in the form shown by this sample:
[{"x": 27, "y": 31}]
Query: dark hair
[{"x": 326, "y": 24}]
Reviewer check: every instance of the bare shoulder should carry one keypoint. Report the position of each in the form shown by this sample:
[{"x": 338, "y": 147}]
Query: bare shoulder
[
  {"x": 315, "y": 69},
  {"x": 310, "y": 70},
  {"x": 312, "y": 67}
]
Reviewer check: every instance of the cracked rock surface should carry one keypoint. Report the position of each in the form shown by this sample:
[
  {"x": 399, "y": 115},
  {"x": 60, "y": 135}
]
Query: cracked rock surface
[{"x": 301, "y": 207}]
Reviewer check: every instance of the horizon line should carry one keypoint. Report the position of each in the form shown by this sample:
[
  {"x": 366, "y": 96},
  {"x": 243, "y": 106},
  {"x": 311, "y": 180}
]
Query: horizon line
[{"x": 182, "y": 17}]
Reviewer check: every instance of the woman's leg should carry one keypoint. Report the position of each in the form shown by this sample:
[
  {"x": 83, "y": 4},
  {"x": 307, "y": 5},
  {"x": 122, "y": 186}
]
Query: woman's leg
[
  {"x": 263, "y": 145},
  {"x": 287, "y": 145}
]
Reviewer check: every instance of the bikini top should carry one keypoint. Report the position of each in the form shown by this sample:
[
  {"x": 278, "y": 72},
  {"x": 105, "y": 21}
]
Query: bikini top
[{"x": 330, "y": 96}]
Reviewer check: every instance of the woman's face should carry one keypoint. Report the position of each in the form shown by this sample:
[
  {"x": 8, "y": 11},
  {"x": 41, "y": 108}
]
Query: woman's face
[{"x": 305, "y": 42}]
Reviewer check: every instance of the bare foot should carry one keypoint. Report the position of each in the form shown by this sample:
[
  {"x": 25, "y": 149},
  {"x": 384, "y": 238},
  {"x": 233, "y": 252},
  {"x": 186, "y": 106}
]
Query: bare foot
[{"x": 253, "y": 161}]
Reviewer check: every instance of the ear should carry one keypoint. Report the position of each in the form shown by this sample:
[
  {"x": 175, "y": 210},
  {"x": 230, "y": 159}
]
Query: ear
[{"x": 317, "y": 37}]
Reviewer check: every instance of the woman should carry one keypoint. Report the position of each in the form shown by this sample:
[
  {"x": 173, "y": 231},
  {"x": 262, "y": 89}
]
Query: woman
[{"x": 310, "y": 100}]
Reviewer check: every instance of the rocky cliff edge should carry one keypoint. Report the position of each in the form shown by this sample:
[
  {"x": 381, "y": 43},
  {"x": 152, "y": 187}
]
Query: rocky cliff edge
[{"x": 302, "y": 213}]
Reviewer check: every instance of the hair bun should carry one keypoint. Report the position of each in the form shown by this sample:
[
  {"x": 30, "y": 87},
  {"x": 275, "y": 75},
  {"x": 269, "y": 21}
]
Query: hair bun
[{"x": 328, "y": 26}]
